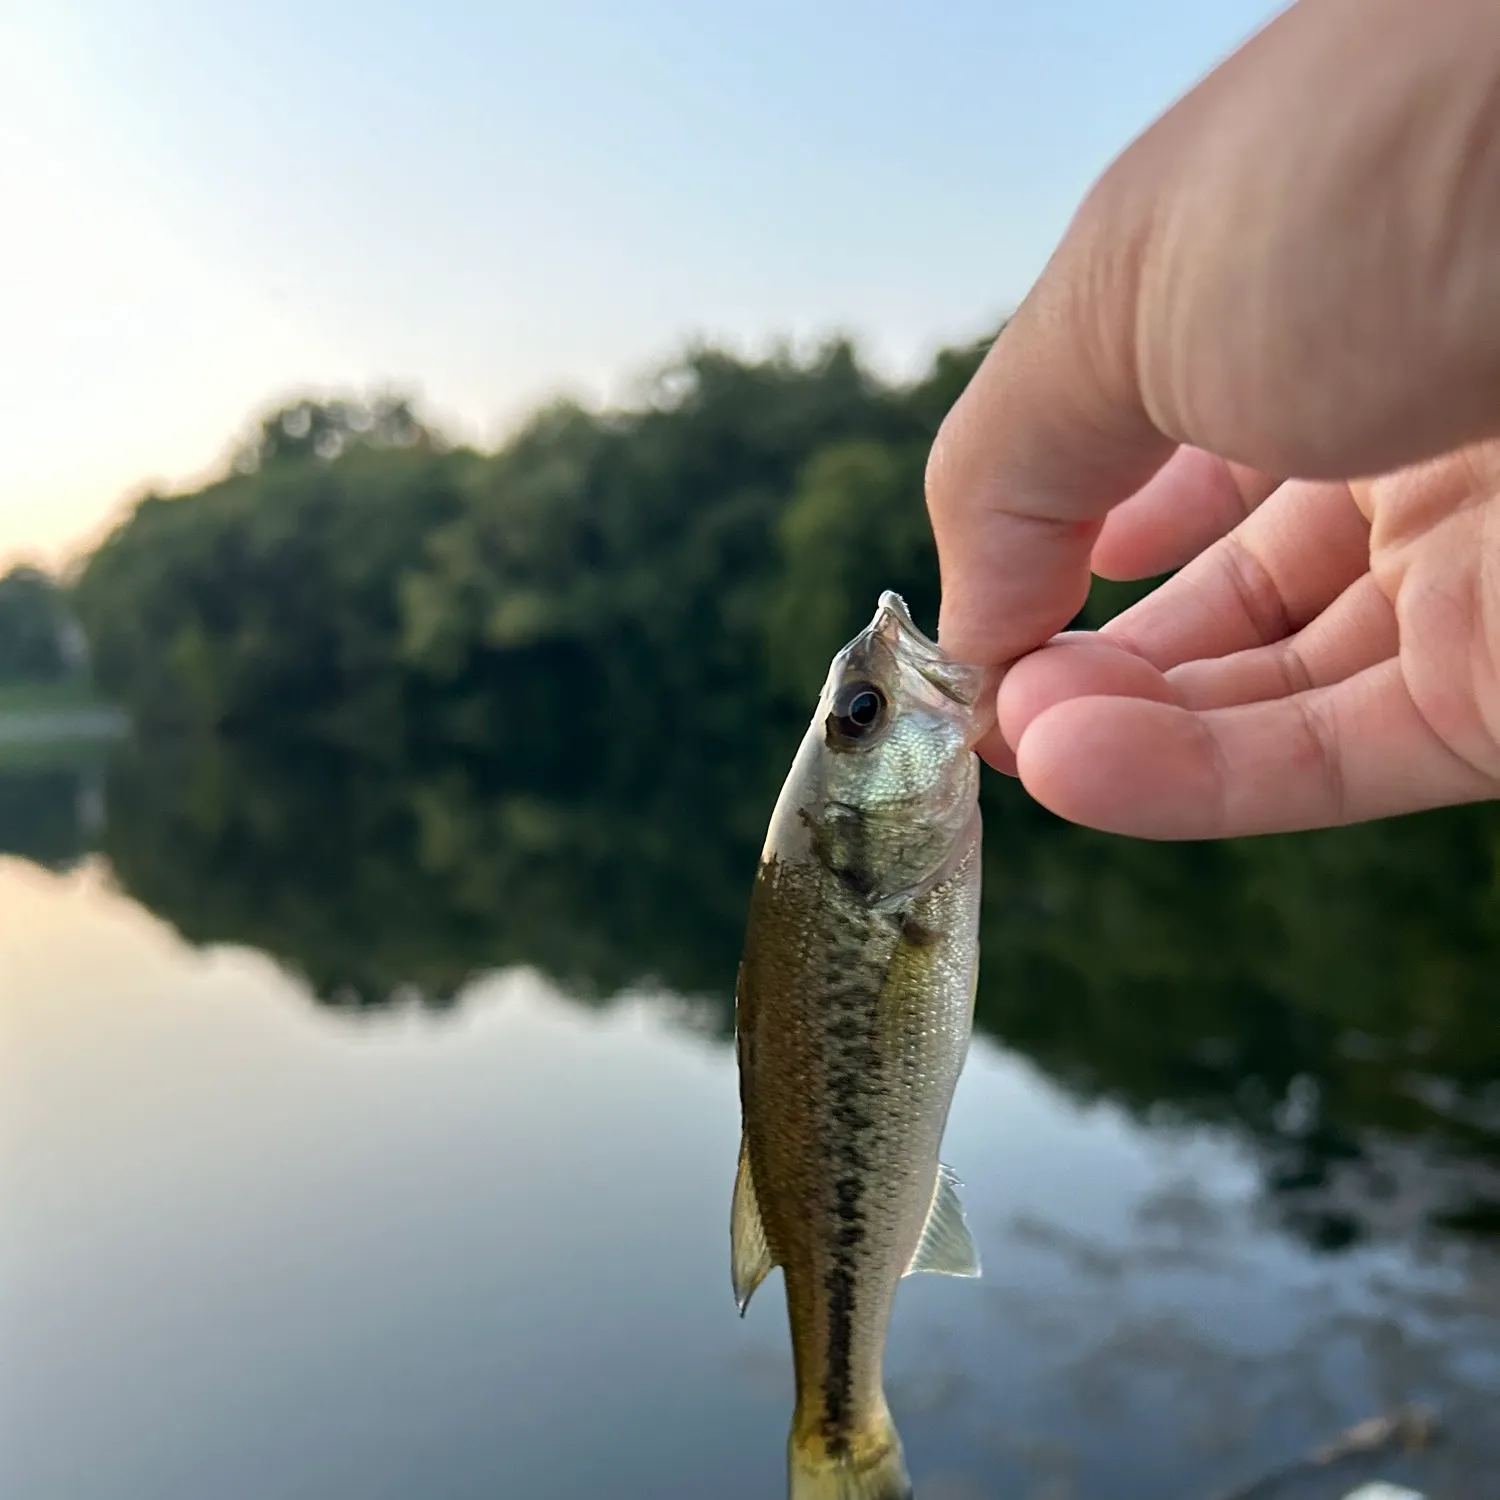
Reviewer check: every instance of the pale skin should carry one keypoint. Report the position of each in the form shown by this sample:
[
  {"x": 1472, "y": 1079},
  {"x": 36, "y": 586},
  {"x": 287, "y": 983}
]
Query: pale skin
[{"x": 1266, "y": 352}]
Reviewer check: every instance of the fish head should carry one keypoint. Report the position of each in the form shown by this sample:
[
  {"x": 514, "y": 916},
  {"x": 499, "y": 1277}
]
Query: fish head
[{"x": 898, "y": 779}]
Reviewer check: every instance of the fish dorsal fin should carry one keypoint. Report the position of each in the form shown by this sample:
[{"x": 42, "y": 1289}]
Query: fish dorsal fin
[
  {"x": 751, "y": 1256},
  {"x": 946, "y": 1247}
]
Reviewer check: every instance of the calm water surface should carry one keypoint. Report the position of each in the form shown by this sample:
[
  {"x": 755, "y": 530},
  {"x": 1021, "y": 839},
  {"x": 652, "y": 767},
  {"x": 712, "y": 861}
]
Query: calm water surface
[{"x": 257, "y": 1248}]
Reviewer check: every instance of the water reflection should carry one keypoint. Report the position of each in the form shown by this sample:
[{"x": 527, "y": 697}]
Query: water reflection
[
  {"x": 51, "y": 802},
  {"x": 260, "y": 1252},
  {"x": 1329, "y": 997},
  {"x": 1230, "y": 1135}
]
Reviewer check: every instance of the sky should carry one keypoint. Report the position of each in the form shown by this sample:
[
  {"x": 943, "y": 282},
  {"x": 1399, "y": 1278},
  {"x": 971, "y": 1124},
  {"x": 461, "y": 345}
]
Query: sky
[{"x": 208, "y": 207}]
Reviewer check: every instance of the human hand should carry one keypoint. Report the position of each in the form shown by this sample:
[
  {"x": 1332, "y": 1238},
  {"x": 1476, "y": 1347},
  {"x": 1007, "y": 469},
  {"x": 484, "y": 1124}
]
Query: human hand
[
  {"x": 1334, "y": 658},
  {"x": 1297, "y": 268}
]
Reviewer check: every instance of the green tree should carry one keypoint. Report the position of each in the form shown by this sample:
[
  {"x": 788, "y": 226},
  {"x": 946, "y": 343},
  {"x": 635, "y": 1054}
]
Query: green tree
[
  {"x": 270, "y": 603},
  {"x": 328, "y": 429}
]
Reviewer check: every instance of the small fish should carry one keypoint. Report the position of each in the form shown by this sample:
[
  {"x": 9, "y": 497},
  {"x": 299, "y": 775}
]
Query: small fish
[{"x": 854, "y": 1006}]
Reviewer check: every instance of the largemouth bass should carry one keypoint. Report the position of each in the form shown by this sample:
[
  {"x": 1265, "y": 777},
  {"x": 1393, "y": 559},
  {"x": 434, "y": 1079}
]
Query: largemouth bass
[{"x": 854, "y": 1005}]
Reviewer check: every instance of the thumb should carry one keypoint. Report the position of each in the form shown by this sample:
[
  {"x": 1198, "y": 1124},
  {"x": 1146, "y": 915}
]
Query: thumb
[{"x": 1050, "y": 435}]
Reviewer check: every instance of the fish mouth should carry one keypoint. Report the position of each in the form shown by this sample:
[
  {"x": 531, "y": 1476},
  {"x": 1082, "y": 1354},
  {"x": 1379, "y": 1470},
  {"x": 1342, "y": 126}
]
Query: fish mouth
[
  {"x": 893, "y": 624},
  {"x": 893, "y": 618}
]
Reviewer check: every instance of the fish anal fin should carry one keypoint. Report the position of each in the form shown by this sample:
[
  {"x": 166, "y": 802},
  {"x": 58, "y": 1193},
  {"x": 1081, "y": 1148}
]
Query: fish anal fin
[
  {"x": 946, "y": 1247},
  {"x": 750, "y": 1253}
]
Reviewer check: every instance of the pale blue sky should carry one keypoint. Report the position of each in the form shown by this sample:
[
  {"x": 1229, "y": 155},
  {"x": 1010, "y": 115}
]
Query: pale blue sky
[{"x": 210, "y": 204}]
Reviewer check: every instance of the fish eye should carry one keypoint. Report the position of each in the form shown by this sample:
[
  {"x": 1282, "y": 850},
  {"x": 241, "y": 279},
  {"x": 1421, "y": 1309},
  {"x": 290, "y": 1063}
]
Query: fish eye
[{"x": 857, "y": 709}]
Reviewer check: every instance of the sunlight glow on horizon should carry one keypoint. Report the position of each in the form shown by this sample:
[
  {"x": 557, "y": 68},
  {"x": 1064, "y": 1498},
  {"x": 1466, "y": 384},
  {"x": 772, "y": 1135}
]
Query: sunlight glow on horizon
[{"x": 135, "y": 356}]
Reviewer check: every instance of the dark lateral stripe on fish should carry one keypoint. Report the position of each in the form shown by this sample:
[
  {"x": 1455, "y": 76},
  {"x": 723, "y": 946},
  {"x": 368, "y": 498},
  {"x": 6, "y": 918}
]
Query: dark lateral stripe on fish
[
  {"x": 839, "y": 1284},
  {"x": 851, "y": 1056}
]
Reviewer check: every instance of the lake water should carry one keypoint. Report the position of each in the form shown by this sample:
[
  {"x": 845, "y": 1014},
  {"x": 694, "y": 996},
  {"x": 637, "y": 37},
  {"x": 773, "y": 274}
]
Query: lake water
[{"x": 261, "y": 1248}]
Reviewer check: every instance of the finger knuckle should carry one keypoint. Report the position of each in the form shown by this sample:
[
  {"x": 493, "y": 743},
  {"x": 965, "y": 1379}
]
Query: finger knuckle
[
  {"x": 1255, "y": 589},
  {"x": 938, "y": 481},
  {"x": 1320, "y": 745},
  {"x": 1296, "y": 675}
]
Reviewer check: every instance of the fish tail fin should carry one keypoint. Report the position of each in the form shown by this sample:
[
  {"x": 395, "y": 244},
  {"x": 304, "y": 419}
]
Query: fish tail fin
[{"x": 871, "y": 1466}]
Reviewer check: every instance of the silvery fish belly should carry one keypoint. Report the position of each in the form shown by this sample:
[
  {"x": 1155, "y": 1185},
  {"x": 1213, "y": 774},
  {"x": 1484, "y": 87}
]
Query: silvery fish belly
[{"x": 853, "y": 1012}]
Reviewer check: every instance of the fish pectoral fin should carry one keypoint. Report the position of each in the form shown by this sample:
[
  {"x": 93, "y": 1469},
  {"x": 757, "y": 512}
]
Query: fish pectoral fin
[
  {"x": 946, "y": 1247},
  {"x": 751, "y": 1254}
]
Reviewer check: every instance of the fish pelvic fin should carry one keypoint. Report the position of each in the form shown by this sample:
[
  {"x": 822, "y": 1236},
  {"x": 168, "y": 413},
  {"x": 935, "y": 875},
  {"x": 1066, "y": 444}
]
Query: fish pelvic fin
[
  {"x": 751, "y": 1260},
  {"x": 871, "y": 1467},
  {"x": 946, "y": 1247}
]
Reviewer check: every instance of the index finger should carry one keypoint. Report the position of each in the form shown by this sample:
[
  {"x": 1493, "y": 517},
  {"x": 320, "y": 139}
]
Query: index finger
[{"x": 1050, "y": 435}]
